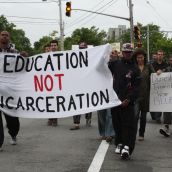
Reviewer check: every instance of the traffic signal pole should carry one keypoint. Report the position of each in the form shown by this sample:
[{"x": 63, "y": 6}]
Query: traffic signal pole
[
  {"x": 148, "y": 52},
  {"x": 130, "y": 19},
  {"x": 61, "y": 24},
  {"x": 124, "y": 18},
  {"x": 61, "y": 27}
]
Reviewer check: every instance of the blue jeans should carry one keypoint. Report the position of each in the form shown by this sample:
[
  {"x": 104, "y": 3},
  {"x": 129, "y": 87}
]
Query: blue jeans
[{"x": 105, "y": 123}]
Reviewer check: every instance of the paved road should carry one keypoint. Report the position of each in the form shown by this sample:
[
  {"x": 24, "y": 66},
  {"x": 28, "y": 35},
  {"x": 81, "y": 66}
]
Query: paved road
[{"x": 57, "y": 149}]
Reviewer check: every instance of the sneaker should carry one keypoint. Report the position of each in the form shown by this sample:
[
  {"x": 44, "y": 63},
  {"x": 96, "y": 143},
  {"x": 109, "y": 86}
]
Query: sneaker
[
  {"x": 141, "y": 138},
  {"x": 88, "y": 122},
  {"x": 49, "y": 123},
  {"x": 13, "y": 141},
  {"x": 125, "y": 155},
  {"x": 55, "y": 122},
  {"x": 165, "y": 131},
  {"x": 76, "y": 127},
  {"x": 118, "y": 149},
  {"x": 109, "y": 139}
]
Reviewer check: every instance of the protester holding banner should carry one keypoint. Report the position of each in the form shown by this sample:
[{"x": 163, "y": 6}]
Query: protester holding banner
[
  {"x": 77, "y": 118},
  {"x": 142, "y": 105},
  {"x": 159, "y": 66},
  {"x": 13, "y": 124},
  {"x": 165, "y": 131},
  {"x": 126, "y": 84},
  {"x": 53, "y": 47}
]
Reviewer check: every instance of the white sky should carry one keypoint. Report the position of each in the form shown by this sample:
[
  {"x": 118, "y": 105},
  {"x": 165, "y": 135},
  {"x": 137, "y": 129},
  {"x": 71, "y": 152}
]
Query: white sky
[{"x": 156, "y": 11}]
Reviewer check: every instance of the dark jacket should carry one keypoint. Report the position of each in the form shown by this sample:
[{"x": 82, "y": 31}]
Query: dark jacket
[
  {"x": 144, "y": 92},
  {"x": 158, "y": 66},
  {"x": 127, "y": 79}
]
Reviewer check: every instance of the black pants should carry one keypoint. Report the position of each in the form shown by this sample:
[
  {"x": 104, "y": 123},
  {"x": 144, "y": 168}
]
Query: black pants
[
  {"x": 13, "y": 126},
  {"x": 125, "y": 125},
  {"x": 156, "y": 115},
  {"x": 142, "y": 116},
  {"x": 77, "y": 118},
  {"x": 167, "y": 118}
]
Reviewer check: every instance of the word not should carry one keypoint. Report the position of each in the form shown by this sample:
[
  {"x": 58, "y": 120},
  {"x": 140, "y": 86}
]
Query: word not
[{"x": 48, "y": 82}]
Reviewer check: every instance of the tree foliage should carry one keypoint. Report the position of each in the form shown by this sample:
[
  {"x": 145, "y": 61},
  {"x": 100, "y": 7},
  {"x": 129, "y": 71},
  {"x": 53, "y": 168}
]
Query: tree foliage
[
  {"x": 91, "y": 36},
  {"x": 157, "y": 39},
  {"x": 22, "y": 43},
  {"x": 39, "y": 45}
]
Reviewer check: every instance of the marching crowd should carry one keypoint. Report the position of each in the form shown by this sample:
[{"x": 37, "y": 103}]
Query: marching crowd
[{"x": 131, "y": 81}]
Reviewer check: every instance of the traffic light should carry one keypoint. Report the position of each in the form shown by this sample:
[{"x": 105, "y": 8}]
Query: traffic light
[
  {"x": 68, "y": 9},
  {"x": 137, "y": 34}
]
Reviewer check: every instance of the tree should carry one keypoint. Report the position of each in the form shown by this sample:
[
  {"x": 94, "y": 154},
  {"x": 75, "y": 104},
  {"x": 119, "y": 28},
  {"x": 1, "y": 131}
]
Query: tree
[
  {"x": 39, "y": 45},
  {"x": 91, "y": 36},
  {"x": 45, "y": 40},
  {"x": 22, "y": 43},
  {"x": 158, "y": 40}
]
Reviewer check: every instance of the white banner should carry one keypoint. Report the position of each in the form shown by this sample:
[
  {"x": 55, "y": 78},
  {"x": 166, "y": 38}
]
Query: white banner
[
  {"x": 56, "y": 84},
  {"x": 161, "y": 92}
]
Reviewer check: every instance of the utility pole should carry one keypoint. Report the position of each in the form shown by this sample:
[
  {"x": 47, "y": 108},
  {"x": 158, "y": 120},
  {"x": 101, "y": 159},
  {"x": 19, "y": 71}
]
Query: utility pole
[
  {"x": 148, "y": 51},
  {"x": 61, "y": 27},
  {"x": 131, "y": 21},
  {"x": 61, "y": 24}
]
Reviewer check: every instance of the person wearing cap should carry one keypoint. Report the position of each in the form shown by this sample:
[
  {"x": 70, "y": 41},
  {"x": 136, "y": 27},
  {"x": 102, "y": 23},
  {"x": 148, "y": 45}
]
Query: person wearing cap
[
  {"x": 126, "y": 84},
  {"x": 77, "y": 118}
]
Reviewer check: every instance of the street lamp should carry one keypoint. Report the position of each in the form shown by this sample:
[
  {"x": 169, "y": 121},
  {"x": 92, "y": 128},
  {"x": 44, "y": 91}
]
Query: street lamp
[{"x": 61, "y": 24}]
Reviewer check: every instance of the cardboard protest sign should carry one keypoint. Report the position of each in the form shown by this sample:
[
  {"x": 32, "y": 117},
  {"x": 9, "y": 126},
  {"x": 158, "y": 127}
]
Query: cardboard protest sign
[
  {"x": 56, "y": 84},
  {"x": 161, "y": 92}
]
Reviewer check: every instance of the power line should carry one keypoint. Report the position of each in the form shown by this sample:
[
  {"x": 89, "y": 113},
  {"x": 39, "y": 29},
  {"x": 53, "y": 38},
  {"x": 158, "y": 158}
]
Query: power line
[
  {"x": 20, "y": 2},
  {"x": 38, "y": 24},
  {"x": 89, "y": 15},
  {"x": 95, "y": 15},
  {"x": 165, "y": 21},
  {"x": 100, "y": 11},
  {"x": 83, "y": 16},
  {"x": 86, "y": 17},
  {"x": 34, "y": 18},
  {"x": 32, "y": 22}
]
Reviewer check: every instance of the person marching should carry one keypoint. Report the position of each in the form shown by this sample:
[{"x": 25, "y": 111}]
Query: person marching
[
  {"x": 126, "y": 85},
  {"x": 142, "y": 106},
  {"x": 165, "y": 131},
  {"x": 52, "y": 48},
  {"x": 13, "y": 123}
]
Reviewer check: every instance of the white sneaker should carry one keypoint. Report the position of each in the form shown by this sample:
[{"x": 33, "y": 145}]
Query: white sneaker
[
  {"x": 13, "y": 141},
  {"x": 125, "y": 153},
  {"x": 165, "y": 131},
  {"x": 118, "y": 149}
]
